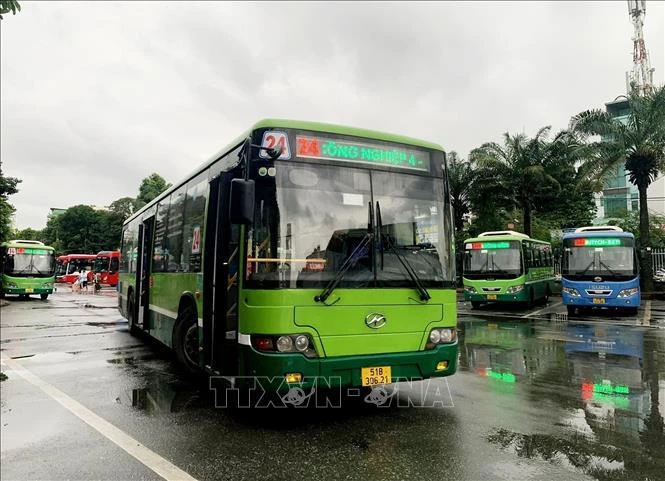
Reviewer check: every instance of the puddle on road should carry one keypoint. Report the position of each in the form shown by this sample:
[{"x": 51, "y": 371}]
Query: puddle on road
[{"x": 601, "y": 382}]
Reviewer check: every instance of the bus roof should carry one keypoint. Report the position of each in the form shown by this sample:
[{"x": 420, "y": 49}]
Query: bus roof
[
  {"x": 503, "y": 236},
  {"x": 26, "y": 243},
  {"x": 607, "y": 233},
  {"x": 78, "y": 256},
  {"x": 291, "y": 124}
]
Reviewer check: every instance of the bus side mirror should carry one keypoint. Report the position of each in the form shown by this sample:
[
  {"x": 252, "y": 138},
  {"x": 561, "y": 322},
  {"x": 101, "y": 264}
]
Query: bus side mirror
[{"x": 241, "y": 208}]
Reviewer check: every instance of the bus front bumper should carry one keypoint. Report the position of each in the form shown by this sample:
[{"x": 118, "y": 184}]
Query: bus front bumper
[
  {"x": 270, "y": 369},
  {"x": 475, "y": 297},
  {"x": 21, "y": 290},
  {"x": 623, "y": 302}
]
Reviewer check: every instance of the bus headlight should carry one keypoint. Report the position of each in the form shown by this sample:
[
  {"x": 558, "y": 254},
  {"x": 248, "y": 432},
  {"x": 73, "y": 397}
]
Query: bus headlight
[
  {"x": 11, "y": 284},
  {"x": 287, "y": 343},
  {"x": 47, "y": 285},
  {"x": 441, "y": 335},
  {"x": 515, "y": 289},
  {"x": 628, "y": 292},
  {"x": 470, "y": 289},
  {"x": 284, "y": 344},
  {"x": 570, "y": 291}
]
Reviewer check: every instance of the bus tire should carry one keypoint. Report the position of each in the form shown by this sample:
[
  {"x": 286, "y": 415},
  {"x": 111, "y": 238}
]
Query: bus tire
[
  {"x": 571, "y": 310},
  {"x": 133, "y": 328},
  {"x": 475, "y": 304},
  {"x": 43, "y": 297},
  {"x": 186, "y": 340},
  {"x": 529, "y": 302}
]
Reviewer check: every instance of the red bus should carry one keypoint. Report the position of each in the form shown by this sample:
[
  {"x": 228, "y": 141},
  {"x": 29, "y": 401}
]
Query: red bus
[
  {"x": 68, "y": 266},
  {"x": 106, "y": 265}
]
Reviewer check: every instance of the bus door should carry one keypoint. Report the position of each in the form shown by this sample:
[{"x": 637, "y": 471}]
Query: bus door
[
  {"x": 220, "y": 281},
  {"x": 143, "y": 273}
]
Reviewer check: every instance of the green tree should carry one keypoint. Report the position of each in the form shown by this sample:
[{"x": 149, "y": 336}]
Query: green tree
[
  {"x": 51, "y": 233},
  {"x": 639, "y": 144},
  {"x": 150, "y": 187},
  {"x": 124, "y": 206},
  {"x": 28, "y": 234},
  {"x": 81, "y": 230},
  {"x": 7, "y": 188},
  {"x": 7, "y": 6},
  {"x": 630, "y": 222}
]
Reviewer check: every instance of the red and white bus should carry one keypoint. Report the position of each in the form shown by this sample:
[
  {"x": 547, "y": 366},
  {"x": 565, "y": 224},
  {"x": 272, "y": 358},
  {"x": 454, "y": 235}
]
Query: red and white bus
[
  {"x": 68, "y": 266},
  {"x": 106, "y": 265}
]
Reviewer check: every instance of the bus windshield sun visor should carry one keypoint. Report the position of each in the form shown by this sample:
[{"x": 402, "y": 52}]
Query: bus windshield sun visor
[
  {"x": 351, "y": 259},
  {"x": 386, "y": 241}
]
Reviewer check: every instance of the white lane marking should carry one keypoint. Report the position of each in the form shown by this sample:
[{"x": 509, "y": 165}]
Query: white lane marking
[
  {"x": 646, "y": 319},
  {"x": 541, "y": 310},
  {"x": 151, "y": 459}
]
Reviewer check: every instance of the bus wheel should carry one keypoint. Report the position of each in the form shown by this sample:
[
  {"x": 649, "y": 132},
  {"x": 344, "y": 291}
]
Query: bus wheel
[
  {"x": 43, "y": 296},
  {"x": 571, "y": 310},
  {"x": 186, "y": 340},
  {"x": 530, "y": 303},
  {"x": 133, "y": 329},
  {"x": 475, "y": 304}
]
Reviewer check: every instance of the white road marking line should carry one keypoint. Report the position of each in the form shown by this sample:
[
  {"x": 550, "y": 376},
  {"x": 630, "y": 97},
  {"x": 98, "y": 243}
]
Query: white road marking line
[
  {"x": 541, "y": 310},
  {"x": 151, "y": 459}
]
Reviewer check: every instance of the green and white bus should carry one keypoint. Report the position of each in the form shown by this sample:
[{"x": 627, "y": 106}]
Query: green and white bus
[
  {"x": 28, "y": 267},
  {"x": 507, "y": 267},
  {"x": 300, "y": 251}
]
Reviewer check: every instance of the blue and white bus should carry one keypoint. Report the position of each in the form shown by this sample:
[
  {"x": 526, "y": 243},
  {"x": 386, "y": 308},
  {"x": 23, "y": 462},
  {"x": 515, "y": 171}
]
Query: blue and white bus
[{"x": 600, "y": 269}]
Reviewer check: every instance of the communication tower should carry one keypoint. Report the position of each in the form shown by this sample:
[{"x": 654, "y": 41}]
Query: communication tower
[{"x": 640, "y": 79}]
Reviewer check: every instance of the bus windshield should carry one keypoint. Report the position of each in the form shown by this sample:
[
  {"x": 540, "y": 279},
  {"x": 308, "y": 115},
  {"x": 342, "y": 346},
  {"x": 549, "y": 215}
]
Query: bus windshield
[
  {"x": 101, "y": 264},
  {"x": 309, "y": 219},
  {"x": 29, "y": 263},
  {"x": 502, "y": 260},
  {"x": 587, "y": 262}
]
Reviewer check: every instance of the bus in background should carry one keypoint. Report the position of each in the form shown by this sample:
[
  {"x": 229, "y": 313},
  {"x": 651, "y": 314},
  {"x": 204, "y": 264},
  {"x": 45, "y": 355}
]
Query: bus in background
[
  {"x": 300, "y": 252},
  {"x": 507, "y": 267},
  {"x": 68, "y": 266},
  {"x": 106, "y": 265},
  {"x": 28, "y": 267},
  {"x": 599, "y": 268}
]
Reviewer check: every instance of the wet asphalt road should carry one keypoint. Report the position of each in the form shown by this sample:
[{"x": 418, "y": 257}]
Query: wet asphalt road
[{"x": 537, "y": 395}]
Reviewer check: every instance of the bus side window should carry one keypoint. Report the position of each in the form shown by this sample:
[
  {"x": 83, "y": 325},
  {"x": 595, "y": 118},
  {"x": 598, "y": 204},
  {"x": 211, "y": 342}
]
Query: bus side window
[{"x": 114, "y": 264}]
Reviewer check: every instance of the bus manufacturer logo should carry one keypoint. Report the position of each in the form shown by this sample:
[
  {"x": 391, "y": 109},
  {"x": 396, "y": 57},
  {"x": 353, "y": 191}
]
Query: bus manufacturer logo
[
  {"x": 597, "y": 279},
  {"x": 375, "y": 320}
]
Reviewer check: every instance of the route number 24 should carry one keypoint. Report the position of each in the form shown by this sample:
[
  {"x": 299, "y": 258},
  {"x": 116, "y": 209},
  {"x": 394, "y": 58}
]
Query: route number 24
[{"x": 275, "y": 139}]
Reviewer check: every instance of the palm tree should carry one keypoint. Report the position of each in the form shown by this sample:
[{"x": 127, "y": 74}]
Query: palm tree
[
  {"x": 7, "y": 6},
  {"x": 460, "y": 176},
  {"x": 639, "y": 144},
  {"x": 519, "y": 171}
]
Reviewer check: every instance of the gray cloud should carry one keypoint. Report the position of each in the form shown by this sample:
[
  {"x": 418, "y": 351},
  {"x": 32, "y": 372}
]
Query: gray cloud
[{"x": 96, "y": 96}]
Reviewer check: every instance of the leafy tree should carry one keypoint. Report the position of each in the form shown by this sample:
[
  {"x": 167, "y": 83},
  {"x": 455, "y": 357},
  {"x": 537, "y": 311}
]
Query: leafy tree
[
  {"x": 630, "y": 222},
  {"x": 151, "y": 187},
  {"x": 81, "y": 230},
  {"x": 7, "y": 188},
  {"x": 28, "y": 234},
  {"x": 51, "y": 233},
  {"x": 124, "y": 206},
  {"x": 7, "y": 6},
  {"x": 639, "y": 144}
]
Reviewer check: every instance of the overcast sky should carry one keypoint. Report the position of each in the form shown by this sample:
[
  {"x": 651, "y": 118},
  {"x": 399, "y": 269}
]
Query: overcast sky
[{"x": 96, "y": 96}]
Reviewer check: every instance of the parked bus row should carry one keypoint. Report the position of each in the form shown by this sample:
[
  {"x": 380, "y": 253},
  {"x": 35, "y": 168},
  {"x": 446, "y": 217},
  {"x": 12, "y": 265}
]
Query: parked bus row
[
  {"x": 599, "y": 268},
  {"x": 105, "y": 263}
]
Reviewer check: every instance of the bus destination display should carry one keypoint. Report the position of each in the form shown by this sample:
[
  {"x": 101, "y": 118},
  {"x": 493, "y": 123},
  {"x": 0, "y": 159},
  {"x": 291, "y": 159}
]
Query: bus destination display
[
  {"x": 597, "y": 242},
  {"x": 488, "y": 245},
  {"x": 309, "y": 147}
]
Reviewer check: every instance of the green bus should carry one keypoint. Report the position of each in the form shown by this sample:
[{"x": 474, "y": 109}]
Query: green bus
[
  {"x": 300, "y": 251},
  {"x": 28, "y": 267},
  {"x": 507, "y": 267}
]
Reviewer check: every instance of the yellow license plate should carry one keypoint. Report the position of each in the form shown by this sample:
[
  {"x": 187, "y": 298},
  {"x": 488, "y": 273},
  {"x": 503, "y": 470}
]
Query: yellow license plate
[
  {"x": 491, "y": 297},
  {"x": 28, "y": 290},
  {"x": 374, "y": 376},
  {"x": 598, "y": 301}
]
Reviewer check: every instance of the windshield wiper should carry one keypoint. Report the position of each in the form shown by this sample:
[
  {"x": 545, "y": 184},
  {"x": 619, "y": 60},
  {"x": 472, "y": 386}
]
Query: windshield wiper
[
  {"x": 385, "y": 239},
  {"x": 351, "y": 260},
  {"x": 602, "y": 264}
]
